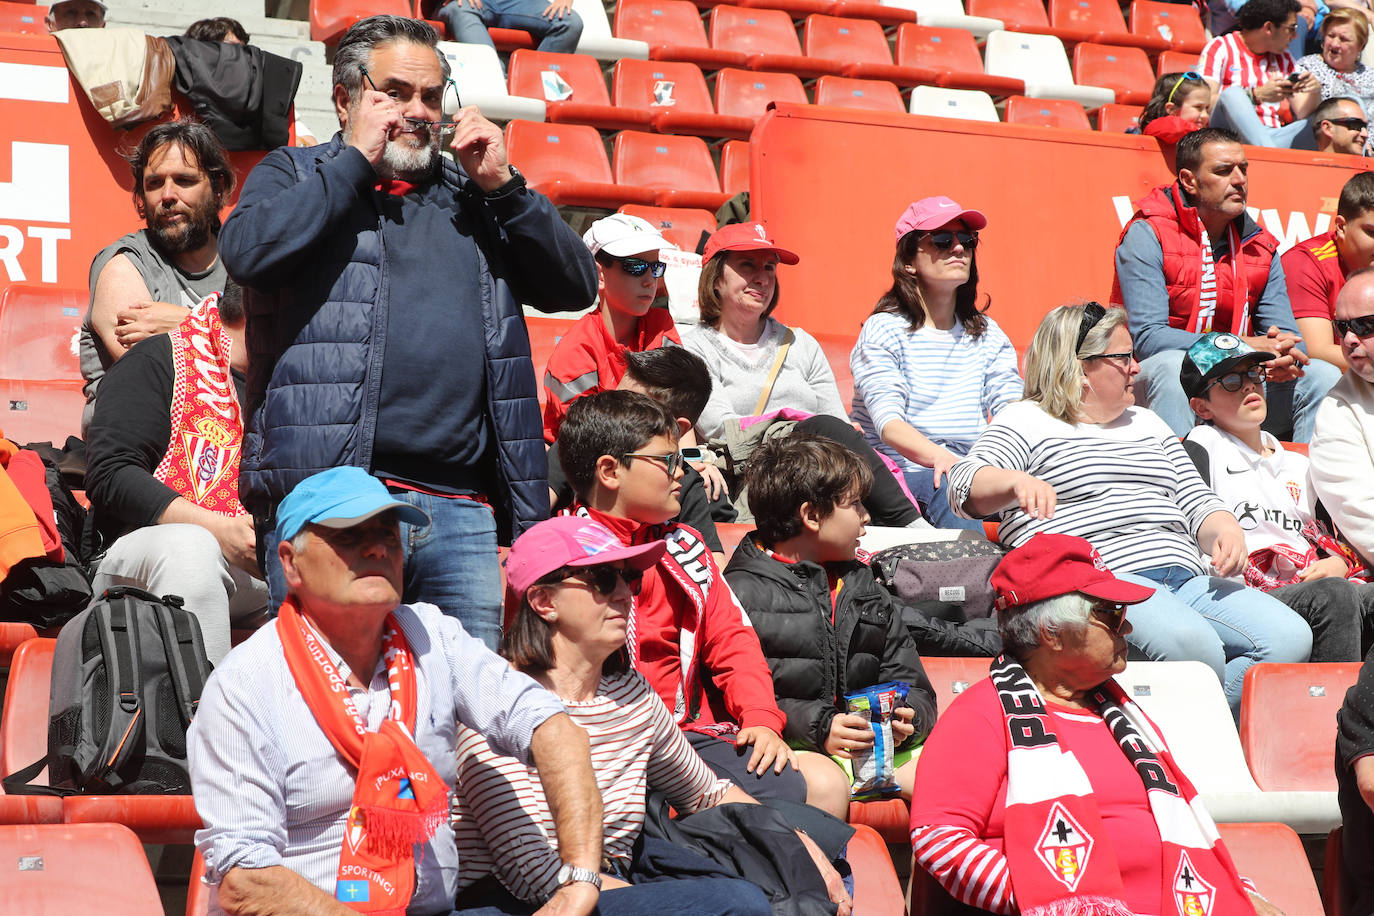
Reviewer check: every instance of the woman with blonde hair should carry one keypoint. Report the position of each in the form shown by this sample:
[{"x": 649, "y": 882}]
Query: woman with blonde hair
[{"x": 1344, "y": 32}]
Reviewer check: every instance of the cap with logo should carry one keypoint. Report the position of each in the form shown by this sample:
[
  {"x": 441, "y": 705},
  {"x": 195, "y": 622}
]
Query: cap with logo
[
  {"x": 1050, "y": 565},
  {"x": 339, "y": 498},
  {"x": 570, "y": 540},
  {"x": 745, "y": 237},
  {"x": 621, "y": 235},
  {"x": 934, "y": 212},
  {"x": 1213, "y": 355}
]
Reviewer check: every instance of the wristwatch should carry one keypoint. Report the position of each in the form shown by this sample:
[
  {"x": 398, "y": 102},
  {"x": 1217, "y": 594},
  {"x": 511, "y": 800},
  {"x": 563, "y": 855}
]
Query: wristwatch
[
  {"x": 570, "y": 874},
  {"x": 516, "y": 182}
]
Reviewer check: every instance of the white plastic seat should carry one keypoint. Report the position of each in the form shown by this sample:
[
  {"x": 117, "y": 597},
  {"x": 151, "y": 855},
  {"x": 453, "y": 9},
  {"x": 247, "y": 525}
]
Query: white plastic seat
[
  {"x": 597, "y": 39},
  {"x": 477, "y": 73},
  {"x": 968, "y": 104},
  {"x": 1040, "y": 61},
  {"x": 948, "y": 14}
]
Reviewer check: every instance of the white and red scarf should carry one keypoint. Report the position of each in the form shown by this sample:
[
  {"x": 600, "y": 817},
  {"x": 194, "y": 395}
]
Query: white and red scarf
[
  {"x": 398, "y": 800},
  {"x": 202, "y": 458},
  {"x": 1205, "y": 314},
  {"x": 1059, "y": 857}
]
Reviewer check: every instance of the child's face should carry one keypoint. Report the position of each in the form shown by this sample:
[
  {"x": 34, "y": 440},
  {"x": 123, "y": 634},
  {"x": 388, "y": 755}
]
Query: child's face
[
  {"x": 838, "y": 535},
  {"x": 1237, "y": 412},
  {"x": 1194, "y": 107},
  {"x": 625, "y": 293},
  {"x": 648, "y": 493}
]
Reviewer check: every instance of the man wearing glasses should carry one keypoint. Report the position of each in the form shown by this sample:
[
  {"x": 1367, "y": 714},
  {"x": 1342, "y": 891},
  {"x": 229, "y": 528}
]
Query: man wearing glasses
[
  {"x": 384, "y": 285},
  {"x": 1339, "y": 126}
]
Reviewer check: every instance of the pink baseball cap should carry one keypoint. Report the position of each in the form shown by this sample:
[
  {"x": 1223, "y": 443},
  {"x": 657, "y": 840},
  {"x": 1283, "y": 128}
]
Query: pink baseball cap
[
  {"x": 934, "y": 212},
  {"x": 745, "y": 237},
  {"x": 570, "y": 540}
]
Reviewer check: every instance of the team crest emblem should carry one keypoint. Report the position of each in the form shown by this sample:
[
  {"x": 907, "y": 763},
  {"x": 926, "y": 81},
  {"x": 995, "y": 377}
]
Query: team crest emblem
[
  {"x": 762, "y": 233},
  {"x": 353, "y": 829},
  {"x": 1294, "y": 490},
  {"x": 209, "y": 462},
  {"x": 1064, "y": 847},
  {"x": 1193, "y": 895}
]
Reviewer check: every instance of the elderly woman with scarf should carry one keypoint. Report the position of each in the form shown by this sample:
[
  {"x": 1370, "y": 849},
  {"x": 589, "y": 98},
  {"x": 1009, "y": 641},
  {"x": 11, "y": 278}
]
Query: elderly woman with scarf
[{"x": 1044, "y": 789}]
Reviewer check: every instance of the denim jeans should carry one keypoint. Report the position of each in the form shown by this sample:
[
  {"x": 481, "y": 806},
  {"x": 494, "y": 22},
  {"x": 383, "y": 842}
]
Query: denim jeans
[
  {"x": 1299, "y": 399},
  {"x": 674, "y": 897},
  {"x": 1234, "y": 110},
  {"x": 470, "y": 26},
  {"x": 934, "y": 502},
  {"x": 1218, "y": 622},
  {"x": 452, "y": 563}
]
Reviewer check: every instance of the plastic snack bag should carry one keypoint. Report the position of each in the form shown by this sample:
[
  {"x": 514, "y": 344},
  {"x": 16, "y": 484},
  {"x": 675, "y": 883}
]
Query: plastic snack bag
[{"x": 871, "y": 771}]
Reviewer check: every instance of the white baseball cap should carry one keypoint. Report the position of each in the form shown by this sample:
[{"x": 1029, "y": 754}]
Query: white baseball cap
[{"x": 621, "y": 235}]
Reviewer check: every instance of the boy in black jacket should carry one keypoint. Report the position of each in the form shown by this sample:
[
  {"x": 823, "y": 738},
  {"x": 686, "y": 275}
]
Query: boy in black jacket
[{"x": 827, "y": 627}]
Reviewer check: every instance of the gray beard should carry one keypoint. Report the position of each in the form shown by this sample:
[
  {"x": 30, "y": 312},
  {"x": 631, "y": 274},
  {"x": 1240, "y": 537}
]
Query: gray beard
[{"x": 403, "y": 163}]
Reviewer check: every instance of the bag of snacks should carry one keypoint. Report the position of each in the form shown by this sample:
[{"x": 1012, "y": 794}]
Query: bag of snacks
[{"x": 871, "y": 771}]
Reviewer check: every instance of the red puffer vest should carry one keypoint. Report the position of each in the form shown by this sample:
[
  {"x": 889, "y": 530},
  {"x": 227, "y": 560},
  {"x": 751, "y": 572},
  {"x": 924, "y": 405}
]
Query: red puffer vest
[{"x": 1179, "y": 231}]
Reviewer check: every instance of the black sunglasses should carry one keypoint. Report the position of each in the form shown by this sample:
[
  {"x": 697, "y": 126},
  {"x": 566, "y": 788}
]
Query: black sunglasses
[
  {"x": 1234, "y": 381},
  {"x": 1093, "y": 312},
  {"x": 944, "y": 239},
  {"x": 1355, "y": 124},
  {"x": 1113, "y": 615},
  {"x": 1362, "y": 326},
  {"x": 636, "y": 267},
  {"x": 603, "y": 580}
]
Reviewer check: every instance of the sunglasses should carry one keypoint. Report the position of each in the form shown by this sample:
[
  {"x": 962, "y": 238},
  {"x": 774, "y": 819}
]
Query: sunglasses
[
  {"x": 1234, "y": 381},
  {"x": 1191, "y": 75},
  {"x": 1362, "y": 326},
  {"x": 603, "y": 580},
  {"x": 636, "y": 267},
  {"x": 944, "y": 239},
  {"x": 1113, "y": 615},
  {"x": 1121, "y": 359},
  {"x": 672, "y": 461},
  {"x": 1355, "y": 124},
  {"x": 1093, "y": 312}
]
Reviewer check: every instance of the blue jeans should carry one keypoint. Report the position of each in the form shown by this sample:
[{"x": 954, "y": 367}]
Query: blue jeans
[
  {"x": 452, "y": 563},
  {"x": 674, "y": 897},
  {"x": 1218, "y": 622},
  {"x": 934, "y": 502},
  {"x": 470, "y": 26},
  {"x": 1234, "y": 110},
  {"x": 1161, "y": 392}
]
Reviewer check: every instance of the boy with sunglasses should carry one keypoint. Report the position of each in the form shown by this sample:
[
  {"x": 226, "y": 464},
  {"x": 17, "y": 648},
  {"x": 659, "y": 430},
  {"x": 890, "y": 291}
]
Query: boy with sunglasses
[
  {"x": 1292, "y": 555},
  {"x": 591, "y": 355}
]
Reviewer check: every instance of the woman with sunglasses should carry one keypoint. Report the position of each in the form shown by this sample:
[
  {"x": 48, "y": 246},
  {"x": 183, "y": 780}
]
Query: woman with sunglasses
[
  {"x": 1338, "y": 67},
  {"x": 929, "y": 366},
  {"x": 575, "y": 583},
  {"x": 1180, "y": 104},
  {"x": 1078, "y": 457}
]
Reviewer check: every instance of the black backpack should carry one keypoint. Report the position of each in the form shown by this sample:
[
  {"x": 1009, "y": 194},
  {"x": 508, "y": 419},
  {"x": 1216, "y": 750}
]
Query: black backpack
[{"x": 127, "y": 676}]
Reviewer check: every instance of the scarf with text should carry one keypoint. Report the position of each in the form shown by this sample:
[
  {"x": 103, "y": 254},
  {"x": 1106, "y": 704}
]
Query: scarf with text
[
  {"x": 1059, "y": 856},
  {"x": 1205, "y": 315},
  {"x": 398, "y": 800}
]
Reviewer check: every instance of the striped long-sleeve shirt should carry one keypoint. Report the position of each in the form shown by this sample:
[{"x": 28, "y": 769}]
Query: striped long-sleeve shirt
[
  {"x": 1227, "y": 62},
  {"x": 501, "y": 818},
  {"x": 1126, "y": 486},
  {"x": 943, "y": 383}
]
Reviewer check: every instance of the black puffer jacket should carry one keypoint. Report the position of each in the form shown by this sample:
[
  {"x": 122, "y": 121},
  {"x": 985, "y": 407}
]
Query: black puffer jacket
[{"x": 815, "y": 663}]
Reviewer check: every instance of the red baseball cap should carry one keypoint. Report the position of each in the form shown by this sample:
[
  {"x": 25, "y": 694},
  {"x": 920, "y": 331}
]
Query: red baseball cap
[
  {"x": 570, "y": 540},
  {"x": 1050, "y": 565},
  {"x": 745, "y": 237}
]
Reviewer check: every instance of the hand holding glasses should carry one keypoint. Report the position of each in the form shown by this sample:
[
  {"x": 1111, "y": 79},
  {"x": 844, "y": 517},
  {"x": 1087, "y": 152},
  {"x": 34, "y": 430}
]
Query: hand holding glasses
[{"x": 445, "y": 127}]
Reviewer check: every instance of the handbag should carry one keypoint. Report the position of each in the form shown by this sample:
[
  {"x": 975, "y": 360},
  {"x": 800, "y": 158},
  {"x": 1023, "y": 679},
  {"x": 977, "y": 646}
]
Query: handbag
[{"x": 947, "y": 579}]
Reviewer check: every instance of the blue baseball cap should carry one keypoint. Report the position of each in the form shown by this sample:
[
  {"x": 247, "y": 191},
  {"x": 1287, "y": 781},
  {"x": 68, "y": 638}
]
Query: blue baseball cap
[
  {"x": 1213, "y": 355},
  {"x": 339, "y": 498}
]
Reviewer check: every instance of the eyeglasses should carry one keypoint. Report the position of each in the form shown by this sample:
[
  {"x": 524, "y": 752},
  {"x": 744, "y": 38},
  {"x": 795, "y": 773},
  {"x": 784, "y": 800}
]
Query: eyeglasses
[
  {"x": 1191, "y": 75},
  {"x": 944, "y": 239},
  {"x": 1112, "y": 615},
  {"x": 1093, "y": 312},
  {"x": 672, "y": 461},
  {"x": 1362, "y": 326},
  {"x": 636, "y": 267},
  {"x": 603, "y": 580},
  {"x": 1121, "y": 359},
  {"x": 1354, "y": 124},
  {"x": 1234, "y": 381},
  {"x": 444, "y": 127}
]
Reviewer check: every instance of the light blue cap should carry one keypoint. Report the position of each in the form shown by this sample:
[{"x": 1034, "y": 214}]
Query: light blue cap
[{"x": 339, "y": 498}]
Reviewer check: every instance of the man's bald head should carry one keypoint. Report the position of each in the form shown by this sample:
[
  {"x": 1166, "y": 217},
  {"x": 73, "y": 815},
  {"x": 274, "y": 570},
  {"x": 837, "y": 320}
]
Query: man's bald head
[{"x": 1355, "y": 304}]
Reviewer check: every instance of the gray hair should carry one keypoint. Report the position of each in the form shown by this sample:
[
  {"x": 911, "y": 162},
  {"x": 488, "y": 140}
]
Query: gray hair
[
  {"x": 1023, "y": 629},
  {"x": 1054, "y": 376},
  {"x": 367, "y": 35}
]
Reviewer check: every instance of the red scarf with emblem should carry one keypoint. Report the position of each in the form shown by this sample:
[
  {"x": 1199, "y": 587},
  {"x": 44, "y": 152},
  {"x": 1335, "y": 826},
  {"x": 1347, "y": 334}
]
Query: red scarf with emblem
[
  {"x": 399, "y": 800},
  {"x": 202, "y": 458},
  {"x": 1058, "y": 854}
]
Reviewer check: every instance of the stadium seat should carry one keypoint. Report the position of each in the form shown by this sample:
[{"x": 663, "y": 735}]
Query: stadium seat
[
  {"x": 862, "y": 47},
  {"x": 866, "y": 95},
  {"x": 890, "y": 818},
  {"x": 329, "y": 19},
  {"x": 1040, "y": 61},
  {"x": 1103, "y": 19},
  {"x": 797, "y": 9},
  {"x": 1124, "y": 70},
  {"x": 951, "y": 676},
  {"x": 1046, "y": 113},
  {"x": 673, "y": 31},
  {"x": 154, "y": 818},
  {"x": 1288, "y": 723},
  {"x": 597, "y": 39},
  {"x": 730, "y": 534},
  {"x": 954, "y": 56},
  {"x": 746, "y": 94},
  {"x": 877, "y": 892},
  {"x": 1175, "y": 62},
  {"x": 477, "y": 72},
  {"x": 734, "y": 167},
  {"x": 60, "y": 868},
  {"x": 1027, "y": 16},
  {"x": 12, "y": 635},
  {"x": 39, "y": 327},
  {"x": 886, "y": 15},
  {"x": 39, "y": 411},
  {"x": 768, "y": 39},
  {"x": 567, "y": 162},
  {"x": 581, "y": 74},
  {"x": 678, "y": 170},
  {"x": 968, "y": 104},
  {"x": 1178, "y": 24},
  {"x": 30, "y": 809},
  {"x": 1337, "y": 886},
  {"x": 691, "y": 110},
  {"x": 682, "y": 226},
  {"x": 837, "y": 348},
  {"x": 1272, "y": 856},
  {"x": 1115, "y": 119},
  {"x": 949, "y": 14},
  {"x": 197, "y": 891},
  {"x": 25, "y": 18},
  {"x": 24, "y": 719}
]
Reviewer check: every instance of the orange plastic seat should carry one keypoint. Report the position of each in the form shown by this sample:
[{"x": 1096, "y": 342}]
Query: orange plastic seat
[
  {"x": 691, "y": 111},
  {"x": 682, "y": 226},
  {"x": 1103, "y": 19},
  {"x": 589, "y": 104},
  {"x": 1046, "y": 113},
  {"x": 25, "y": 18},
  {"x": 30, "y": 809},
  {"x": 1116, "y": 119},
  {"x": 1176, "y": 23},
  {"x": 1288, "y": 723},
  {"x": 746, "y": 94},
  {"x": 329, "y": 19},
  {"x": 881, "y": 13},
  {"x": 678, "y": 170},
  {"x": 866, "y": 95},
  {"x": 890, "y": 818},
  {"x": 862, "y": 47},
  {"x": 877, "y": 892},
  {"x": 12, "y": 635},
  {"x": 953, "y": 55},
  {"x": 837, "y": 348},
  {"x": 730, "y": 534},
  {"x": 197, "y": 891},
  {"x": 673, "y": 31},
  {"x": 1026, "y": 16},
  {"x": 734, "y": 167},
  {"x": 154, "y": 818},
  {"x": 1175, "y": 62},
  {"x": 1123, "y": 70},
  {"x": 24, "y": 719},
  {"x": 68, "y": 868},
  {"x": 1272, "y": 856},
  {"x": 952, "y": 676},
  {"x": 768, "y": 40},
  {"x": 567, "y": 162}
]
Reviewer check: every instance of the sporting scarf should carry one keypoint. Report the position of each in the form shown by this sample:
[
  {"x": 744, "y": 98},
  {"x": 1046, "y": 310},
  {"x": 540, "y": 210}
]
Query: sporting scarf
[
  {"x": 1060, "y": 859},
  {"x": 398, "y": 800},
  {"x": 202, "y": 458},
  {"x": 1278, "y": 565},
  {"x": 1208, "y": 288}
]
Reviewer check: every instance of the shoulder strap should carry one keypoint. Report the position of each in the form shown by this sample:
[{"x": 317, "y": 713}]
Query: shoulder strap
[
  {"x": 773, "y": 373},
  {"x": 185, "y": 655},
  {"x": 119, "y": 645},
  {"x": 1202, "y": 459}
]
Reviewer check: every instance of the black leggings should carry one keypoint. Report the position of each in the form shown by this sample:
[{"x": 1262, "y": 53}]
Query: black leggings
[{"x": 886, "y": 502}]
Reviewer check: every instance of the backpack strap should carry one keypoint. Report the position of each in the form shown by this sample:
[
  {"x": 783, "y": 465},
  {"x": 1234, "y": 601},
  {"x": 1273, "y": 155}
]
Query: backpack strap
[
  {"x": 1202, "y": 459},
  {"x": 185, "y": 654},
  {"x": 119, "y": 644}
]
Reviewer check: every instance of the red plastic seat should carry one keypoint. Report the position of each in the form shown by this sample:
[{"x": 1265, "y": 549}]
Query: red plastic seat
[
  {"x": 69, "y": 868},
  {"x": 197, "y": 891},
  {"x": 30, "y": 809},
  {"x": 746, "y": 94},
  {"x": 589, "y": 104},
  {"x": 682, "y": 226},
  {"x": 1123, "y": 70},
  {"x": 154, "y": 818},
  {"x": 953, "y": 55},
  {"x": 1046, "y": 113},
  {"x": 1103, "y": 19},
  {"x": 1116, "y": 119},
  {"x": 730, "y": 534},
  {"x": 24, "y": 720},
  {"x": 952, "y": 676},
  {"x": 1175, "y": 62},
  {"x": 1176, "y": 23},
  {"x": 837, "y": 348},
  {"x": 1288, "y": 723},
  {"x": 678, "y": 170},
  {"x": 797, "y": 9},
  {"x": 890, "y": 818},
  {"x": 567, "y": 162},
  {"x": 1272, "y": 856},
  {"x": 1338, "y": 887},
  {"x": 36, "y": 411},
  {"x": 1026, "y": 16},
  {"x": 877, "y": 892},
  {"x": 768, "y": 38},
  {"x": 866, "y": 95},
  {"x": 38, "y": 325},
  {"x": 734, "y": 167},
  {"x": 25, "y": 18},
  {"x": 504, "y": 39},
  {"x": 329, "y": 19},
  {"x": 12, "y": 635},
  {"x": 692, "y": 111},
  {"x": 861, "y": 45},
  {"x": 673, "y": 31},
  {"x": 886, "y": 16}
]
